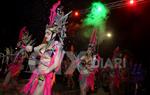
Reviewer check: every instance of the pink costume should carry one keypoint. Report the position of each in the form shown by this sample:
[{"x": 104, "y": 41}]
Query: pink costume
[
  {"x": 49, "y": 77},
  {"x": 88, "y": 79},
  {"x": 50, "y": 55},
  {"x": 87, "y": 76},
  {"x": 16, "y": 67},
  {"x": 53, "y": 12},
  {"x": 116, "y": 78},
  {"x": 32, "y": 84},
  {"x": 88, "y": 66}
]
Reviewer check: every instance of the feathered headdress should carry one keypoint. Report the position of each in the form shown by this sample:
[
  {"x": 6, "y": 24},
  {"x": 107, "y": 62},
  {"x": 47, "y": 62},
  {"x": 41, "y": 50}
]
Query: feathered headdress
[
  {"x": 93, "y": 40},
  {"x": 23, "y": 32},
  {"x": 57, "y": 20},
  {"x": 24, "y": 37}
]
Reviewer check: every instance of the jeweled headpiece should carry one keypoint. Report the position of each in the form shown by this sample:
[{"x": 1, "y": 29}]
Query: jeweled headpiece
[
  {"x": 57, "y": 21},
  {"x": 93, "y": 40}
]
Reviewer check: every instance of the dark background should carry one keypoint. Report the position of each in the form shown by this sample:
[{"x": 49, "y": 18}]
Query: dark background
[{"x": 130, "y": 25}]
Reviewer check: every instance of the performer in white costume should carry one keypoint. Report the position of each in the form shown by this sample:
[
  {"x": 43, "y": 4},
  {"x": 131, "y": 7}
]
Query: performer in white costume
[{"x": 89, "y": 63}]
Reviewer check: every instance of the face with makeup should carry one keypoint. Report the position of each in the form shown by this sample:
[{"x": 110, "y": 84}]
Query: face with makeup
[
  {"x": 89, "y": 50},
  {"x": 49, "y": 34}
]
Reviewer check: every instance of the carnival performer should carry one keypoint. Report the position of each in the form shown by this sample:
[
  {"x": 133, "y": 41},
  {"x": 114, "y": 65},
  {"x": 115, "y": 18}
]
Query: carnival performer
[
  {"x": 115, "y": 78},
  {"x": 50, "y": 54},
  {"x": 5, "y": 60},
  {"x": 8, "y": 52},
  {"x": 15, "y": 67},
  {"x": 89, "y": 63},
  {"x": 69, "y": 60}
]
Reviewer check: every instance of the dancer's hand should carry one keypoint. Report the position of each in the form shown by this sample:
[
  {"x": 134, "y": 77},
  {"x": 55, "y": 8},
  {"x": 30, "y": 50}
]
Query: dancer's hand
[{"x": 28, "y": 48}]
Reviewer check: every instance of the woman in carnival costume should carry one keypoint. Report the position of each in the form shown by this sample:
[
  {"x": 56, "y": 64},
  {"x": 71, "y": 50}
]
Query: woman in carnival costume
[
  {"x": 115, "y": 78},
  {"x": 16, "y": 65},
  {"x": 87, "y": 67},
  {"x": 50, "y": 54}
]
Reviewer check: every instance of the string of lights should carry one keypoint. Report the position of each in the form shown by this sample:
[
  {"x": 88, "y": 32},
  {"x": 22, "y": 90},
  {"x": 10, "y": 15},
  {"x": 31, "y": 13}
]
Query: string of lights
[
  {"x": 123, "y": 3},
  {"x": 114, "y": 5}
]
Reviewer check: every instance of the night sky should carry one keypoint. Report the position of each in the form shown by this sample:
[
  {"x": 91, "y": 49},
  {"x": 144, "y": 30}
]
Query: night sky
[{"x": 130, "y": 25}]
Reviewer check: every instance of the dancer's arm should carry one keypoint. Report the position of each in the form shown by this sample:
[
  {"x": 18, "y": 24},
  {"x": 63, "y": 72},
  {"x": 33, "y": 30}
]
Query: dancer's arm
[
  {"x": 57, "y": 60},
  {"x": 35, "y": 49},
  {"x": 79, "y": 63}
]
